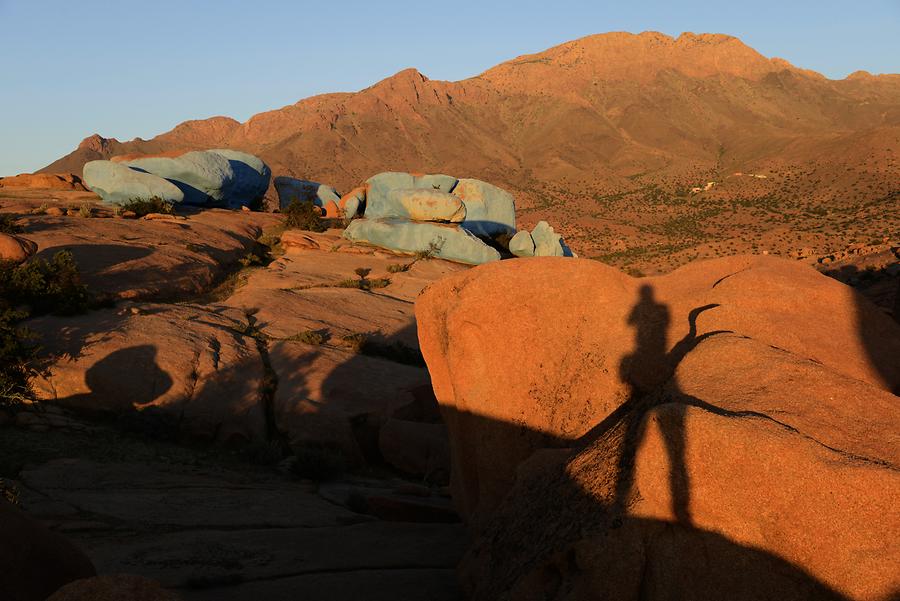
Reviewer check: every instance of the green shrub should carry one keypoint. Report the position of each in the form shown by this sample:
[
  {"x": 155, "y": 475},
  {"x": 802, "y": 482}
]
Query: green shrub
[
  {"x": 355, "y": 341},
  {"x": 45, "y": 286},
  {"x": 399, "y": 267},
  {"x": 17, "y": 352},
  {"x": 303, "y": 216},
  {"x": 145, "y": 206},
  {"x": 8, "y": 224},
  {"x": 33, "y": 288},
  {"x": 314, "y": 337}
]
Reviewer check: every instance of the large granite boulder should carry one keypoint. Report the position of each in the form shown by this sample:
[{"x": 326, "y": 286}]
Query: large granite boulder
[
  {"x": 489, "y": 210},
  {"x": 251, "y": 177},
  {"x": 36, "y": 562},
  {"x": 203, "y": 177},
  {"x": 118, "y": 184},
  {"x": 423, "y": 204},
  {"x": 290, "y": 189},
  {"x": 379, "y": 201},
  {"x": 656, "y": 438},
  {"x": 444, "y": 242}
]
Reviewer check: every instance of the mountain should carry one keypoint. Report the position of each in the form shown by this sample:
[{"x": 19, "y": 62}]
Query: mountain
[{"x": 600, "y": 135}]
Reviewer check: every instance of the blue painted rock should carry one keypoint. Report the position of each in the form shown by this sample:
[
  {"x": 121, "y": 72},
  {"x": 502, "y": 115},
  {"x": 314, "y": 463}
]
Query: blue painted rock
[
  {"x": 379, "y": 203},
  {"x": 522, "y": 244},
  {"x": 423, "y": 204},
  {"x": 251, "y": 177},
  {"x": 204, "y": 177},
  {"x": 489, "y": 210},
  {"x": 353, "y": 202},
  {"x": 445, "y": 241},
  {"x": 118, "y": 184},
  {"x": 290, "y": 189},
  {"x": 547, "y": 243}
]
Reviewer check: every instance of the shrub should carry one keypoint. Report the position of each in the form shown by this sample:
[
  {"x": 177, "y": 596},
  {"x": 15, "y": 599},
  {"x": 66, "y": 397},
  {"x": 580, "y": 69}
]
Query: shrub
[
  {"x": 32, "y": 288},
  {"x": 45, "y": 286},
  {"x": 145, "y": 206},
  {"x": 434, "y": 247},
  {"x": 303, "y": 216},
  {"x": 315, "y": 337},
  {"x": 356, "y": 342},
  {"x": 8, "y": 224},
  {"x": 9, "y": 492},
  {"x": 17, "y": 352},
  {"x": 399, "y": 267}
]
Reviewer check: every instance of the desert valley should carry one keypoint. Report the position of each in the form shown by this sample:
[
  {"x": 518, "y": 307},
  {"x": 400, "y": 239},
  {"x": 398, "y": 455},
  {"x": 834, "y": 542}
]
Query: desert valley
[{"x": 616, "y": 320}]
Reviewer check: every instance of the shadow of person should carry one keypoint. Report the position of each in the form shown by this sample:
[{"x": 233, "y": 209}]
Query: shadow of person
[{"x": 645, "y": 371}]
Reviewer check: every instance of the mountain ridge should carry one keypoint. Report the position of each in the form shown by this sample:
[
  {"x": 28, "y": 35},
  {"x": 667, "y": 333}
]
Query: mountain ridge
[{"x": 597, "y": 117}]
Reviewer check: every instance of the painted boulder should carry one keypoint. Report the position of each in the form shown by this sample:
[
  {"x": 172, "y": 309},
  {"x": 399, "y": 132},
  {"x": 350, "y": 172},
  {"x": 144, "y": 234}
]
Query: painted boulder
[
  {"x": 444, "y": 241},
  {"x": 203, "y": 177},
  {"x": 423, "y": 204},
  {"x": 489, "y": 210},
  {"x": 118, "y": 184},
  {"x": 290, "y": 189},
  {"x": 522, "y": 244},
  {"x": 251, "y": 177},
  {"x": 547, "y": 243},
  {"x": 380, "y": 203}
]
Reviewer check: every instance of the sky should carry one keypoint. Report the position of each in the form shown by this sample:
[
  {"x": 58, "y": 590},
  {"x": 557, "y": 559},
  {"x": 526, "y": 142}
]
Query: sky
[{"x": 123, "y": 68}]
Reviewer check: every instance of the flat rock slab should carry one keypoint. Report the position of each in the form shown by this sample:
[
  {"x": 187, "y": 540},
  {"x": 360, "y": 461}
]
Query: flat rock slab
[
  {"x": 136, "y": 496},
  {"x": 213, "y": 533},
  {"x": 150, "y": 259},
  {"x": 340, "y": 311},
  {"x": 371, "y": 585},
  {"x": 183, "y": 559},
  {"x": 191, "y": 366}
]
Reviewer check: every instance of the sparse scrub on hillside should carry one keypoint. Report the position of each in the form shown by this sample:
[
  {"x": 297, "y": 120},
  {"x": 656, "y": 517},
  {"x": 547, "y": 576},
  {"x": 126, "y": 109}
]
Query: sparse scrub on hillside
[{"x": 303, "y": 216}]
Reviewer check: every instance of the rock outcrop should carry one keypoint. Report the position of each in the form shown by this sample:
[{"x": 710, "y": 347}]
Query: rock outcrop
[
  {"x": 736, "y": 412},
  {"x": 15, "y": 249},
  {"x": 36, "y": 562},
  {"x": 42, "y": 181},
  {"x": 221, "y": 177}
]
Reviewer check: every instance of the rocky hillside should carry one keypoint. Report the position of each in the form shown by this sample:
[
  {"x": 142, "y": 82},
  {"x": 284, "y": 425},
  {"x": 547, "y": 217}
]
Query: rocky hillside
[{"x": 607, "y": 135}]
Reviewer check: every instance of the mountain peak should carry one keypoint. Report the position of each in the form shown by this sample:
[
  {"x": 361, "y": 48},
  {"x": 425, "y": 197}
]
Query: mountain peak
[{"x": 97, "y": 143}]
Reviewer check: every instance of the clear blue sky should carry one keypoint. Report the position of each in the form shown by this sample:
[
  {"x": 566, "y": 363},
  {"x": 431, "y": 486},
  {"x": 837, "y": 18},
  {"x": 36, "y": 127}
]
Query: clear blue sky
[{"x": 124, "y": 68}]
